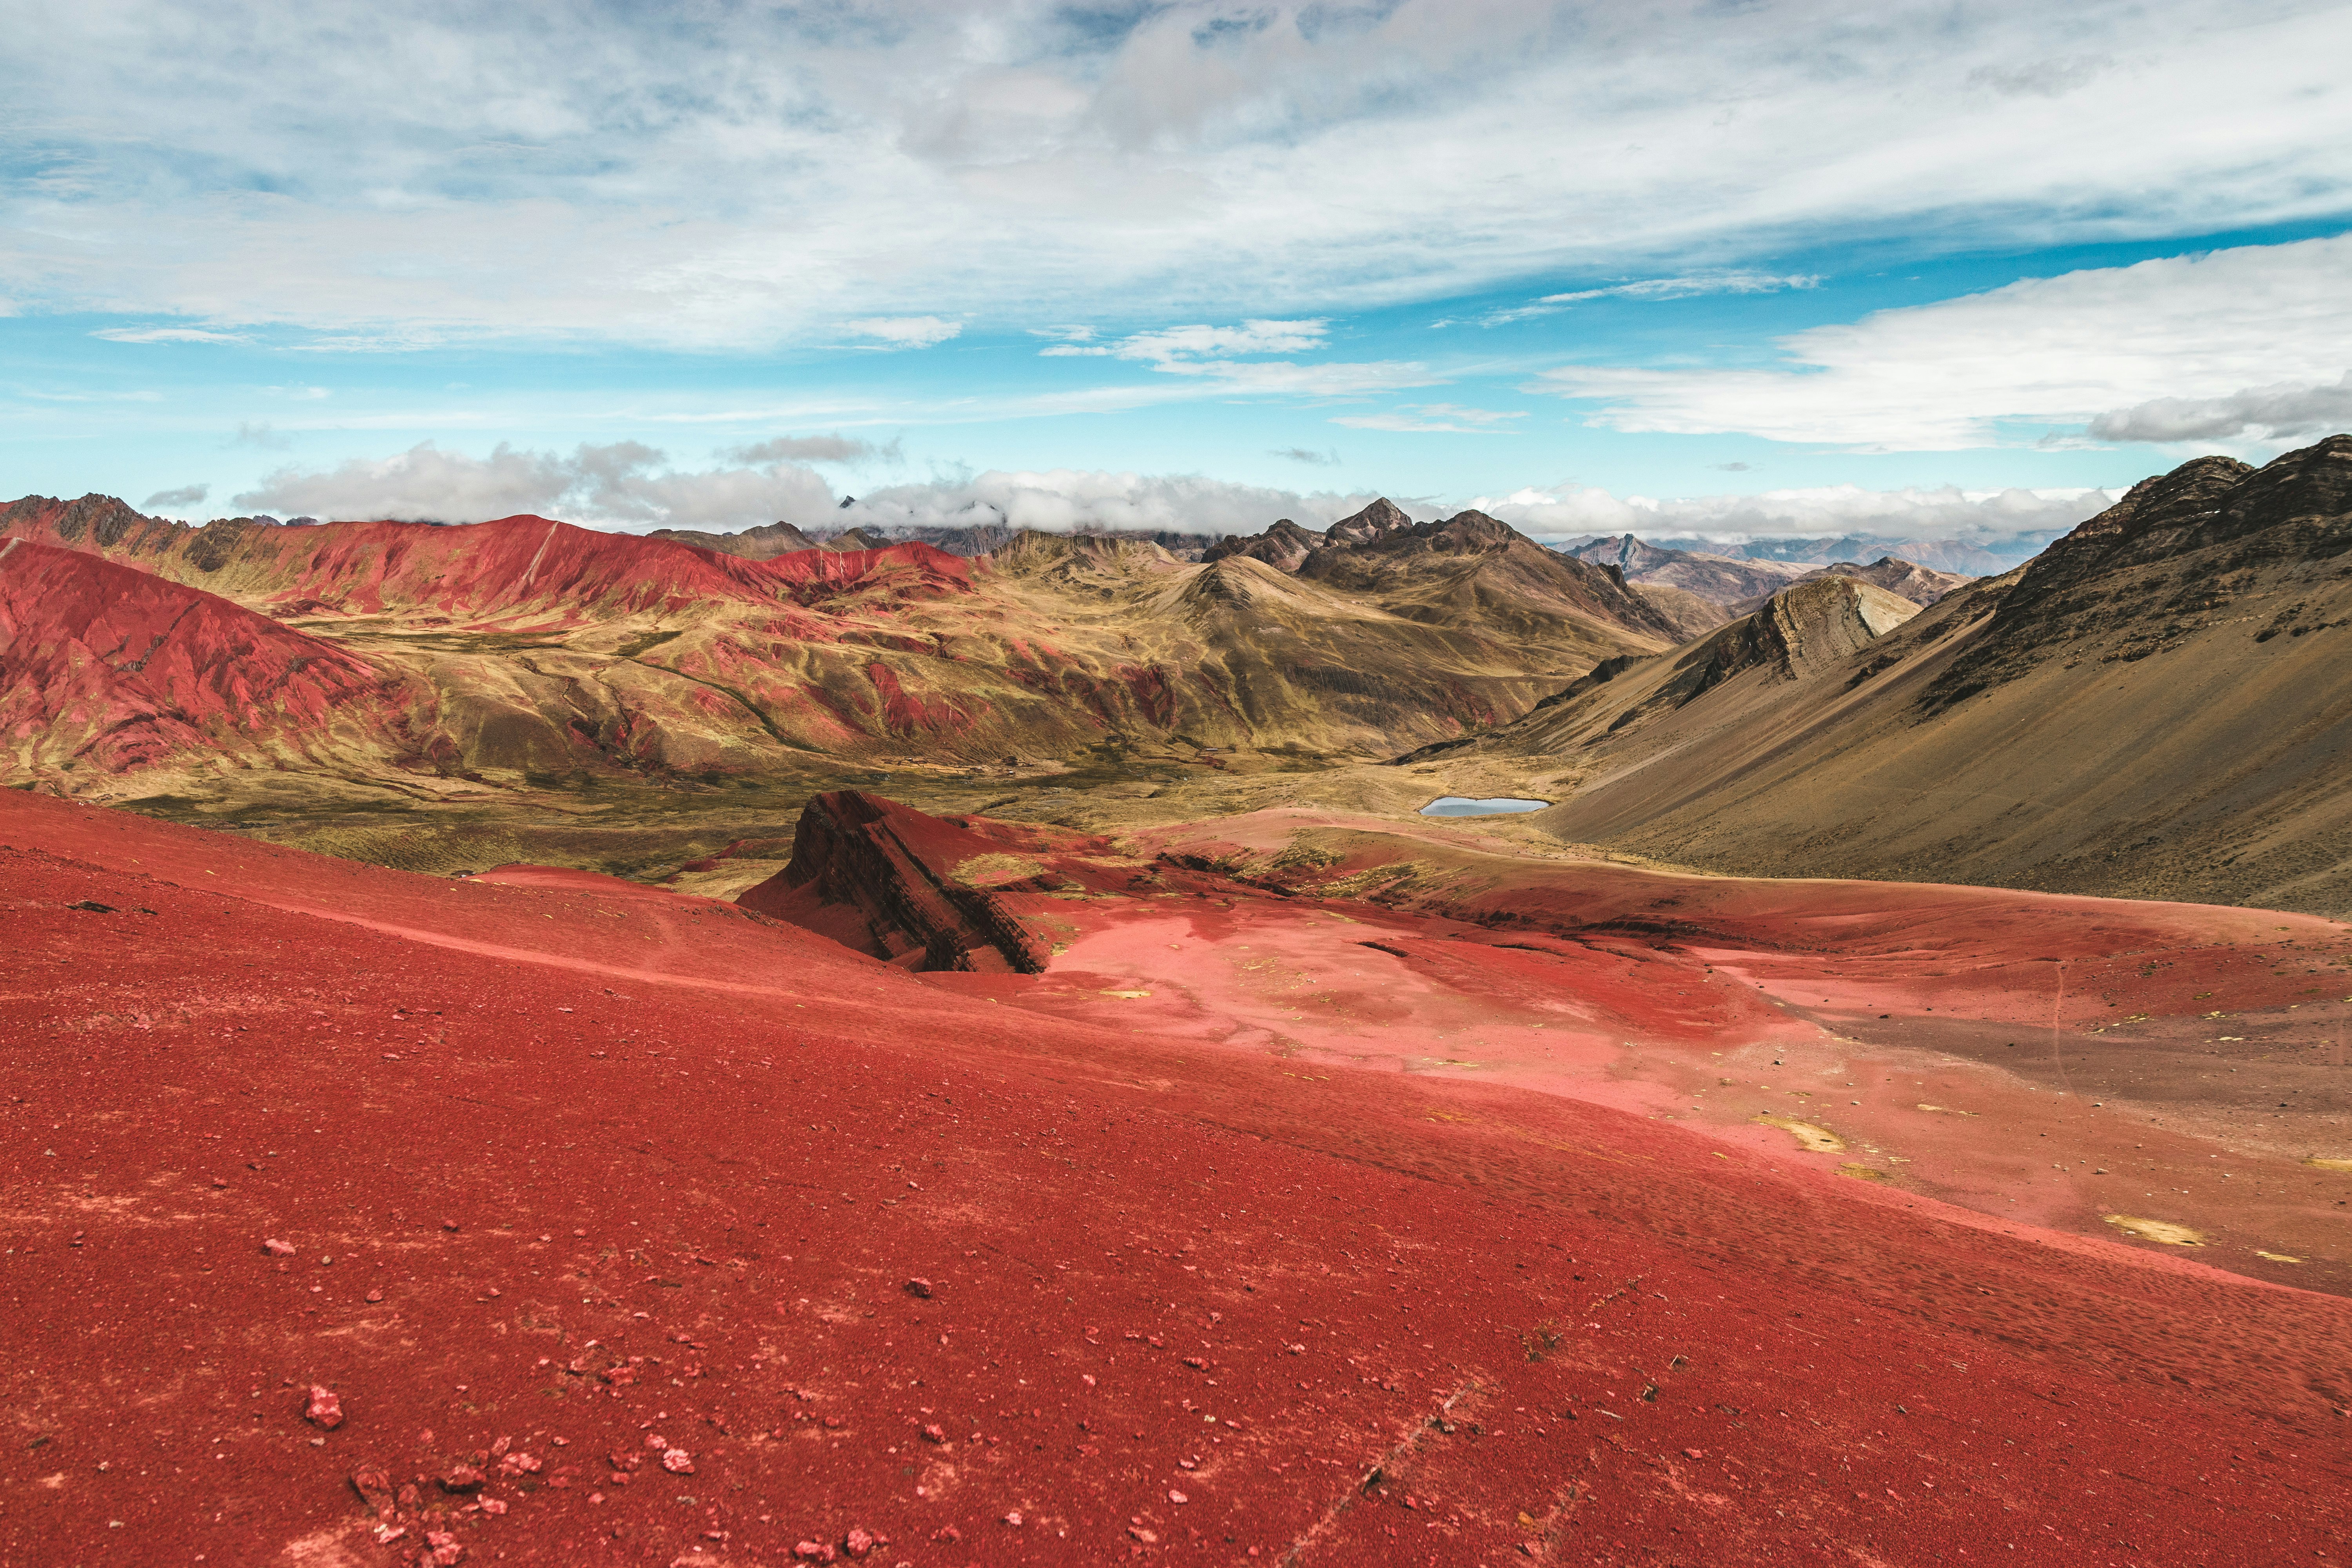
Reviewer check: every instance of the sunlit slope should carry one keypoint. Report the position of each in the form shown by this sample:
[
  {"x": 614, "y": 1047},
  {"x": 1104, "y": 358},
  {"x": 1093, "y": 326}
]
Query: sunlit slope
[{"x": 2160, "y": 705}]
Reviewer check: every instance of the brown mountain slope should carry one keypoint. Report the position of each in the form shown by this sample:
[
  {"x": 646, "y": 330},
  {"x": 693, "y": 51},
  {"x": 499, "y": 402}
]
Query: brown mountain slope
[
  {"x": 1721, "y": 579},
  {"x": 1690, "y": 615},
  {"x": 1906, "y": 579},
  {"x": 2159, "y": 705},
  {"x": 762, "y": 543}
]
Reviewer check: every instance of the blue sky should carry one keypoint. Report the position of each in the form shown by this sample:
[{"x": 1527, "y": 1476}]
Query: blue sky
[{"x": 1933, "y": 269}]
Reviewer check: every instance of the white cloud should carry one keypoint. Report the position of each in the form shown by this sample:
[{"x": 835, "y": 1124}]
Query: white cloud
[
  {"x": 906, "y": 331},
  {"x": 1829, "y": 512},
  {"x": 623, "y": 484},
  {"x": 2054, "y": 352},
  {"x": 1174, "y": 344},
  {"x": 173, "y": 499},
  {"x": 165, "y": 335},
  {"x": 803, "y": 449},
  {"x": 2278, "y": 412},
  {"x": 1058, "y": 501},
  {"x": 725, "y": 177},
  {"x": 1436, "y": 416},
  {"x": 1690, "y": 287}
]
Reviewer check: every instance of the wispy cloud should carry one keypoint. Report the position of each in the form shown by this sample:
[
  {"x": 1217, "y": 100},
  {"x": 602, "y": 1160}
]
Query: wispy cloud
[
  {"x": 904, "y": 332},
  {"x": 1690, "y": 286},
  {"x": 1449, "y": 417},
  {"x": 173, "y": 499},
  {"x": 2081, "y": 350},
  {"x": 1329, "y": 459},
  {"x": 1218, "y": 355},
  {"x": 166, "y": 335}
]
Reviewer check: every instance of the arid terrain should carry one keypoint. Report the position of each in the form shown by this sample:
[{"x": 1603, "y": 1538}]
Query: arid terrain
[{"x": 534, "y": 1043}]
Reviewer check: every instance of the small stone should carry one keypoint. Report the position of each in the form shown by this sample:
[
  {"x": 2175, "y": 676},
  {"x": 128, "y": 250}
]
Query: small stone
[
  {"x": 935, "y": 1434},
  {"x": 326, "y": 1410},
  {"x": 1143, "y": 1535},
  {"x": 1695, "y": 1453},
  {"x": 462, "y": 1479},
  {"x": 1013, "y": 1519},
  {"x": 278, "y": 1248},
  {"x": 448, "y": 1225},
  {"x": 859, "y": 1542},
  {"x": 1178, "y": 1497},
  {"x": 814, "y": 1552},
  {"x": 371, "y": 1483},
  {"x": 375, "y": 1295},
  {"x": 919, "y": 1288},
  {"x": 494, "y": 1505},
  {"x": 678, "y": 1462}
]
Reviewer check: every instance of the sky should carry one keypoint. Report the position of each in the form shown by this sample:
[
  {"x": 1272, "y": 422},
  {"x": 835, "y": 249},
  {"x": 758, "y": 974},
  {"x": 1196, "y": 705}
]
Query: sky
[{"x": 1721, "y": 269}]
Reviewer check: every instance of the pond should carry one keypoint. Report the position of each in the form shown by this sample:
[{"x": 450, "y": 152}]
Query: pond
[{"x": 1458, "y": 805}]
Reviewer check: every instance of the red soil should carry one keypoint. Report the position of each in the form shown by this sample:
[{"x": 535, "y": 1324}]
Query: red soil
[
  {"x": 1345, "y": 1316},
  {"x": 116, "y": 668}
]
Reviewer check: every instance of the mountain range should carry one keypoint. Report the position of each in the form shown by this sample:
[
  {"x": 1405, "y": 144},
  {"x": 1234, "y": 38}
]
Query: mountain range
[
  {"x": 2155, "y": 706},
  {"x": 529, "y": 650}
]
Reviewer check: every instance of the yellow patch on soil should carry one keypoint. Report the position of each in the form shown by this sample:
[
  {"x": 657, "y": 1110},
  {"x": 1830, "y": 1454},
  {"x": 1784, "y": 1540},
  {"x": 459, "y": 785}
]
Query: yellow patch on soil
[
  {"x": 995, "y": 870},
  {"x": 1132, "y": 996},
  {"x": 2330, "y": 1163},
  {"x": 2161, "y": 1230},
  {"x": 1863, "y": 1173},
  {"x": 1946, "y": 1110},
  {"x": 2276, "y": 1257},
  {"x": 1812, "y": 1138}
]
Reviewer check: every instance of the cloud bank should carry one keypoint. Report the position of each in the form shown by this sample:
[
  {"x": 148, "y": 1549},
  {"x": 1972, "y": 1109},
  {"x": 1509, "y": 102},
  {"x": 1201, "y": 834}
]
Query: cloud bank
[
  {"x": 896, "y": 172},
  {"x": 1974, "y": 517},
  {"x": 633, "y": 487}
]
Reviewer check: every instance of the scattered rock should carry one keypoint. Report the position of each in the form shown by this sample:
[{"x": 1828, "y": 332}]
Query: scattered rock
[
  {"x": 462, "y": 1479},
  {"x": 859, "y": 1542},
  {"x": 919, "y": 1288},
  {"x": 93, "y": 906},
  {"x": 326, "y": 1411},
  {"x": 278, "y": 1248},
  {"x": 935, "y": 1434},
  {"x": 814, "y": 1552},
  {"x": 678, "y": 1462},
  {"x": 1178, "y": 1497}
]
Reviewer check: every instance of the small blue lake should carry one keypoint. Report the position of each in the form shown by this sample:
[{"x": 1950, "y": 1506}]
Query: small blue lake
[{"x": 1460, "y": 805}]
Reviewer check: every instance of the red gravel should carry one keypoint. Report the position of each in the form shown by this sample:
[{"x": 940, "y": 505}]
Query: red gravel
[{"x": 693, "y": 1160}]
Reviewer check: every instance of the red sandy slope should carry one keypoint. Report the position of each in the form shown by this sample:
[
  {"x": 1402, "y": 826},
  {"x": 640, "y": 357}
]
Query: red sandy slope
[
  {"x": 114, "y": 668},
  {"x": 1182, "y": 1303}
]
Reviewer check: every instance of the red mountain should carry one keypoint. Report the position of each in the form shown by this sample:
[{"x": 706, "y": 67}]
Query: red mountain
[{"x": 104, "y": 670}]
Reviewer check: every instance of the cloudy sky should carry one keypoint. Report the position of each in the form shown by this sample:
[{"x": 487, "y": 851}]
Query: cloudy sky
[{"x": 1182, "y": 264}]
